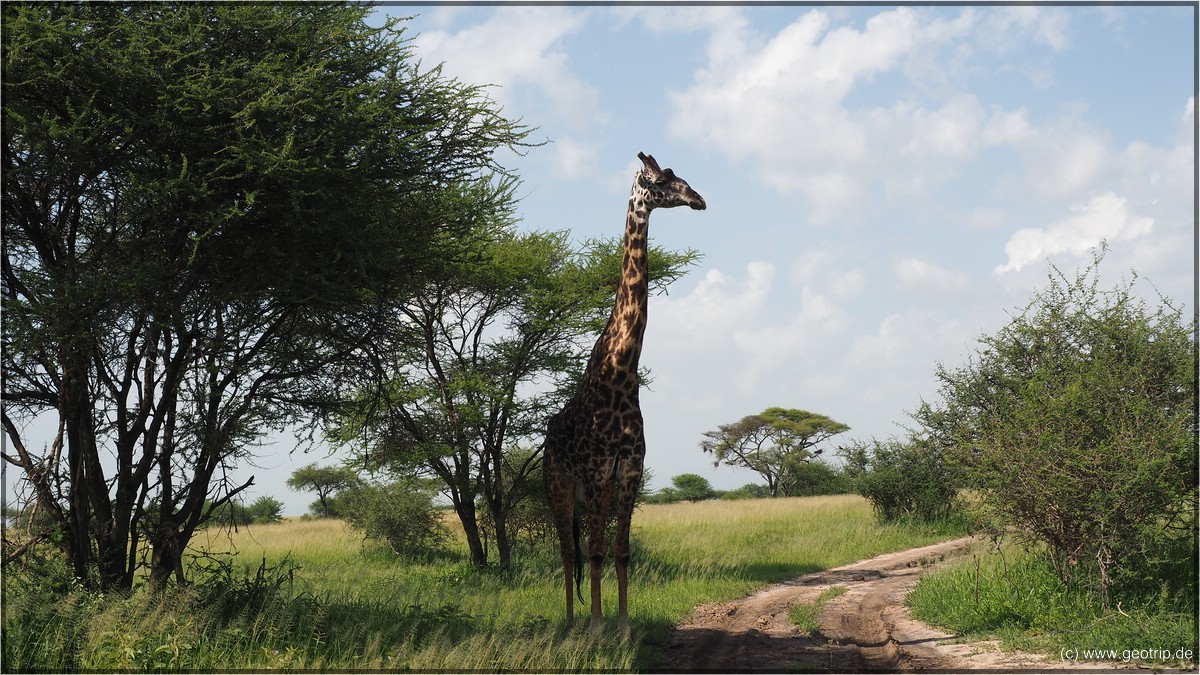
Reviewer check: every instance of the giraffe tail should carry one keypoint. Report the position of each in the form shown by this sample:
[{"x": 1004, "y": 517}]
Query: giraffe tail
[{"x": 578, "y": 558}]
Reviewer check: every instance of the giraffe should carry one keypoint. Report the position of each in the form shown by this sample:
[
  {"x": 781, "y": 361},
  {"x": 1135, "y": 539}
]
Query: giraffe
[{"x": 595, "y": 445}]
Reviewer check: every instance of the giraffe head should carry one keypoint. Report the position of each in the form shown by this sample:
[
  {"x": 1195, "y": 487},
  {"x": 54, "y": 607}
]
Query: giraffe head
[{"x": 664, "y": 189}]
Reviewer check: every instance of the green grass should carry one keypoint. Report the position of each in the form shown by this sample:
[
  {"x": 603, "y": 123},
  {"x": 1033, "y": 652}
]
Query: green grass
[
  {"x": 805, "y": 615},
  {"x": 1019, "y": 599},
  {"x": 309, "y": 594}
]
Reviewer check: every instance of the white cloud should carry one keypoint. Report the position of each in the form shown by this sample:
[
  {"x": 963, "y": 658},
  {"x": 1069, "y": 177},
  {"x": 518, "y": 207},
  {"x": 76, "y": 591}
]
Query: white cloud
[
  {"x": 1063, "y": 162},
  {"x": 1009, "y": 28},
  {"x": 782, "y": 102},
  {"x": 717, "y": 306},
  {"x": 916, "y": 274},
  {"x": 530, "y": 40},
  {"x": 908, "y": 344},
  {"x": 987, "y": 218},
  {"x": 573, "y": 158},
  {"x": 682, "y": 19},
  {"x": 1104, "y": 217}
]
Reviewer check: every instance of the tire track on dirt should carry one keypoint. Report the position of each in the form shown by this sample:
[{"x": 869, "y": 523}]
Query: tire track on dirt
[{"x": 866, "y": 629}]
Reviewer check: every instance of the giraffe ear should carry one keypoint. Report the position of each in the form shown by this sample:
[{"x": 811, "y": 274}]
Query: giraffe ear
[{"x": 648, "y": 161}]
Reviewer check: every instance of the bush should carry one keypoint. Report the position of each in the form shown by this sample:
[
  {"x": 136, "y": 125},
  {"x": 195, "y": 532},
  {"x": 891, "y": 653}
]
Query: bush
[
  {"x": 1077, "y": 423},
  {"x": 689, "y": 487},
  {"x": 400, "y": 514},
  {"x": 903, "y": 480},
  {"x": 265, "y": 509},
  {"x": 812, "y": 478},
  {"x": 748, "y": 491}
]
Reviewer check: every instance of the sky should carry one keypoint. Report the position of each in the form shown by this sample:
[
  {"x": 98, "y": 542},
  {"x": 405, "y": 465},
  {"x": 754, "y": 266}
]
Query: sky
[{"x": 884, "y": 184}]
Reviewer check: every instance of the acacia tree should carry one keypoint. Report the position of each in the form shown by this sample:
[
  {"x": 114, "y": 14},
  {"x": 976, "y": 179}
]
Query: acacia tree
[
  {"x": 481, "y": 357},
  {"x": 326, "y": 481},
  {"x": 204, "y": 206},
  {"x": 1077, "y": 423},
  {"x": 770, "y": 441}
]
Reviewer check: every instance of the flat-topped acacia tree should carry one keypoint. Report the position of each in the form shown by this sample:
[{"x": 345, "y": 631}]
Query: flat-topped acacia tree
[{"x": 769, "y": 441}]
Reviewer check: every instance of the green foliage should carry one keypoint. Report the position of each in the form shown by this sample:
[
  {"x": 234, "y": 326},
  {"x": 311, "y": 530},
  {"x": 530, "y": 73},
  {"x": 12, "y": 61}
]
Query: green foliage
[
  {"x": 400, "y": 514},
  {"x": 1077, "y": 423},
  {"x": 904, "y": 479},
  {"x": 530, "y": 520},
  {"x": 748, "y": 491},
  {"x": 265, "y": 509},
  {"x": 771, "y": 442},
  {"x": 206, "y": 206}
]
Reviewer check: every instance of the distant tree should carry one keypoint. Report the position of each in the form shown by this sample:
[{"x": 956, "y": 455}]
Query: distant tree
[
  {"x": 1077, "y": 424},
  {"x": 769, "y": 441},
  {"x": 326, "y": 481},
  {"x": 685, "y": 487},
  {"x": 692, "y": 487}
]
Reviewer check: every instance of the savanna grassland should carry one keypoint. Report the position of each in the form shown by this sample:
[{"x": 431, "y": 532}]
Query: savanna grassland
[{"x": 310, "y": 594}]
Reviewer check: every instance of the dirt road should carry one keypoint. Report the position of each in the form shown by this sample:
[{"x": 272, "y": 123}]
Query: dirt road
[{"x": 867, "y": 628}]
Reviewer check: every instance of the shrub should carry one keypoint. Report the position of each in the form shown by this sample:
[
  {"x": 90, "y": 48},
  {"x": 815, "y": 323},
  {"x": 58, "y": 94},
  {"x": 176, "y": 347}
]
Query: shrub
[
  {"x": 748, "y": 491},
  {"x": 903, "y": 480},
  {"x": 400, "y": 514},
  {"x": 1077, "y": 423},
  {"x": 685, "y": 487},
  {"x": 811, "y": 478},
  {"x": 265, "y": 509}
]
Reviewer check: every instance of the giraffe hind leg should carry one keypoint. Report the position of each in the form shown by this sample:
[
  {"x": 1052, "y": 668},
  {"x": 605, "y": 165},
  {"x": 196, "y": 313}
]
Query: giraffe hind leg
[
  {"x": 575, "y": 535},
  {"x": 560, "y": 491},
  {"x": 598, "y": 502}
]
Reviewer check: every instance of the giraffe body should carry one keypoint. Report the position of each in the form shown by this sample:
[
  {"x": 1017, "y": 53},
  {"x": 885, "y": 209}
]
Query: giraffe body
[{"x": 595, "y": 446}]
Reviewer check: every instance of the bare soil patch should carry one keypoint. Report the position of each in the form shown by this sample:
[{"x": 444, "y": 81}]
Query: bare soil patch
[{"x": 866, "y": 629}]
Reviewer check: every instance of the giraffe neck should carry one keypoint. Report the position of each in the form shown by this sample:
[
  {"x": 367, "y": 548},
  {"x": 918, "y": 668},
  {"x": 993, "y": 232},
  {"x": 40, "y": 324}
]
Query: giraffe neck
[{"x": 620, "y": 345}]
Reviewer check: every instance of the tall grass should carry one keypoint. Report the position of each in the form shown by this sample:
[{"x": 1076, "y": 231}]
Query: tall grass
[
  {"x": 1015, "y": 595},
  {"x": 310, "y": 594}
]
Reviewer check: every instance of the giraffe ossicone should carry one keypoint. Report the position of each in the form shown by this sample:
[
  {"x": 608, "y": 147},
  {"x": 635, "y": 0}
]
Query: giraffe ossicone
[{"x": 595, "y": 446}]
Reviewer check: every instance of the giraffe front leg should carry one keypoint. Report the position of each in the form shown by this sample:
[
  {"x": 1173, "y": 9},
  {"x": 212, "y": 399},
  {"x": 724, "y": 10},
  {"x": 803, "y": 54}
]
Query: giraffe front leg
[{"x": 626, "y": 496}]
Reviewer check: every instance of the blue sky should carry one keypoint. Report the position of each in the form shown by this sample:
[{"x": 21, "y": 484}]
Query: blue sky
[{"x": 883, "y": 183}]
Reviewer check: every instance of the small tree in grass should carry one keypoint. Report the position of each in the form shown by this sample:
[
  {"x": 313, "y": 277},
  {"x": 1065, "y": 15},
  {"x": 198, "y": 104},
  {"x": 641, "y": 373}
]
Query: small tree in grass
[
  {"x": 400, "y": 514},
  {"x": 903, "y": 479},
  {"x": 1077, "y": 421},
  {"x": 692, "y": 487},
  {"x": 265, "y": 509}
]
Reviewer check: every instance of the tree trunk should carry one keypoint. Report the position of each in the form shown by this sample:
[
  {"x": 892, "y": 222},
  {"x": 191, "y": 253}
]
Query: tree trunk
[{"x": 465, "y": 508}]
